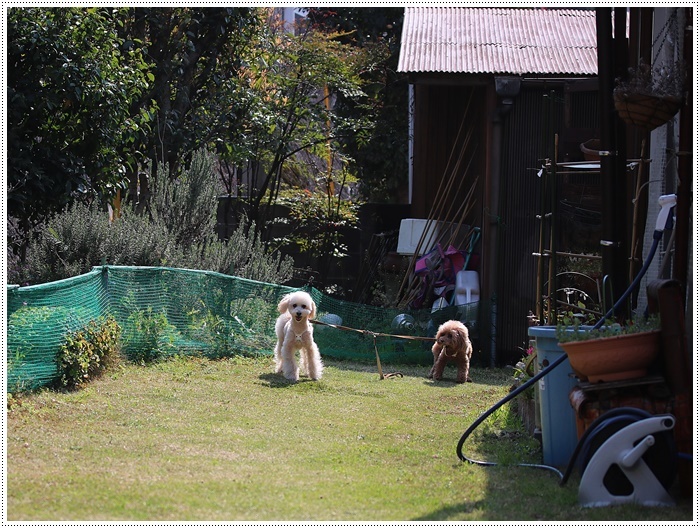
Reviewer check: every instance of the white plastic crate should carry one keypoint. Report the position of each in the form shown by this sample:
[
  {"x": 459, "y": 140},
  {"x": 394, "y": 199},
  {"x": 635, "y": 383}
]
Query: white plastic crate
[
  {"x": 410, "y": 233},
  {"x": 411, "y": 230}
]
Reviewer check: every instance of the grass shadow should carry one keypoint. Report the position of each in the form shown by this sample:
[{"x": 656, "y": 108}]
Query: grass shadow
[
  {"x": 448, "y": 512},
  {"x": 277, "y": 381},
  {"x": 480, "y": 375},
  {"x": 485, "y": 376},
  {"x": 444, "y": 383}
]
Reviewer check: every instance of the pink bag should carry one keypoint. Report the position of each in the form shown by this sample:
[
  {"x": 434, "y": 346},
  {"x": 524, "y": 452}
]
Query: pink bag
[
  {"x": 442, "y": 265},
  {"x": 438, "y": 268}
]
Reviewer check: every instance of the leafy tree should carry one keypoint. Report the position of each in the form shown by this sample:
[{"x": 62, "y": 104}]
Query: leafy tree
[
  {"x": 194, "y": 53},
  {"x": 380, "y": 160},
  {"x": 290, "y": 136},
  {"x": 71, "y": 84},
  {"x": 289, "y": 85}
]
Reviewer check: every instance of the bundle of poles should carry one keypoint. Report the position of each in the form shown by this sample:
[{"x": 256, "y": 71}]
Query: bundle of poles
[{"x": 450, "y": 208}]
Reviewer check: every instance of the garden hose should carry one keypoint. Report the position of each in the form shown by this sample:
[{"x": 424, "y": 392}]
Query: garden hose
[
  {"x": 661, "y": 457},
  {"x": 658, "y": 233}
]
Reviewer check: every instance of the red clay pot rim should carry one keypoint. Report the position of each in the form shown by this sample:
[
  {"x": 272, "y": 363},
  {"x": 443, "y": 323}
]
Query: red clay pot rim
[{"x": 607, "y": 338}]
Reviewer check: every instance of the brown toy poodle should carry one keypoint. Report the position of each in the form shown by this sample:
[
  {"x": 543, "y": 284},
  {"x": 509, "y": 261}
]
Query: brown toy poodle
[{"x": 452, "y": 346}]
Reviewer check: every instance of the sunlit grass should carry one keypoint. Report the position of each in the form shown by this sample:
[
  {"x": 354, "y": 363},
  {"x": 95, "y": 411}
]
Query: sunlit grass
[{"x": 193, "y": 439}]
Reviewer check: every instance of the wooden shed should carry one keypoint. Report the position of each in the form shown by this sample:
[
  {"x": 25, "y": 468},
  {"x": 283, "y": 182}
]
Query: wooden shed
[{"x": 495, "y": 94}]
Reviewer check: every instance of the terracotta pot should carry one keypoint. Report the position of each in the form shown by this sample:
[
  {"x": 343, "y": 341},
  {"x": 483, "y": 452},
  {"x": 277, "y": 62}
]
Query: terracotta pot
[
  {"x": 613, "y": 358},
  {"x": 591, "y": 150}
]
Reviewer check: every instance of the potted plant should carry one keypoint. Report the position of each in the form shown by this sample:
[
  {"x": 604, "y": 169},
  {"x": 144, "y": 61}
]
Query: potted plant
[
  {"x": 650, "y": 96},
  {"x": 613, "y": 352}
]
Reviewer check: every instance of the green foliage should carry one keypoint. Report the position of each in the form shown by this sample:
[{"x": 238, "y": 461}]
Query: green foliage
[
  {"x": 187, "y": 208},
  {"x": 317, "y": 221},
  {"x": 81, "y": 237},
  {"x": 25, "y": 328},
  {"x": 244, "y": 255},
  {"x": 96, "y": 94},
  {"x": 568, "y": 331},
  {"x": 148, "y": 336},
  {"x": 71, "y": 86},
  {"x": 253, "y": 318},
  {"x": 288, "y": 85},
  {"x": 379, "y": 155},
  {"x": 178, "y": 233},
  {"x": 218, "y": 335},
  {"x": 87, "y": 109},
  {"x": 195, "y": 52},
  {"x": 187, "y": 204},
  {"x": 33, "y": 335},
  {"x": 238, "y": 326},
  {"x": 86, "y": 353},
  {"x": 525, "y": 370}
]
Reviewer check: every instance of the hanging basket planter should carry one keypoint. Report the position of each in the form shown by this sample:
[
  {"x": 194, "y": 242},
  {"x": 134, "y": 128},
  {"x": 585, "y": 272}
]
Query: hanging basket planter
[
  {"x": 650, "y": 95},
  {"x": 645, "y": 110}
]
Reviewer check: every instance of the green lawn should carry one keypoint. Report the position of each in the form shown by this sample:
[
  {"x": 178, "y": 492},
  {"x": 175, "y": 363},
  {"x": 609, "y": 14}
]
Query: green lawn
[{"x": 199, "y": 440}]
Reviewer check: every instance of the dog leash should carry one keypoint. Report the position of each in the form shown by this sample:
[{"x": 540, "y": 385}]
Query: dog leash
[
  {"x": 376, "y": 351},
  {"x": 368, "y": 332},
  {"x": 383, "y": 376}
]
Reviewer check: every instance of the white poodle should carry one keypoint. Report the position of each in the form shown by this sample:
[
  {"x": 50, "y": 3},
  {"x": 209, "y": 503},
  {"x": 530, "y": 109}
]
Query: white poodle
[{"x": 295, "y": 332}]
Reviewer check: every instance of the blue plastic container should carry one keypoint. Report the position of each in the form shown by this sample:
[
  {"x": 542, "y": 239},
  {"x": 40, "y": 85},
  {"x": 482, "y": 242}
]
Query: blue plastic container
[{"x": 557, "y": 417}]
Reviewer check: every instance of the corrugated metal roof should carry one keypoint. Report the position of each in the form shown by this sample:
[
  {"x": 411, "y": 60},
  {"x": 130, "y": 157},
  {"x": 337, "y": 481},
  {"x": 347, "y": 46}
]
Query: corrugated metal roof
[{"x": 515, "y": 41}]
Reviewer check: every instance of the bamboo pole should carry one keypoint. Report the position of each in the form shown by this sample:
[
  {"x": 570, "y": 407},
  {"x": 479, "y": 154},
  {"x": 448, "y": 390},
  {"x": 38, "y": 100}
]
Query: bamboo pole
[
  {"x": 464, "y": 210},
  {"x": 450, "y": 191},
  {"x": 439, "y": 204},
  {"x": 635, "y": 215},
  {"x": 551, "y": 290},
  {"x": 458, "y": 219},
  {"x": 445, "y": 185}
]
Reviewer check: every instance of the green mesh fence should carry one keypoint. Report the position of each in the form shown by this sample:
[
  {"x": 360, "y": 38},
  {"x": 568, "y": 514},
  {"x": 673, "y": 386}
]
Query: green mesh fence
[
  {"x": 40, "y": 317},
  {"x": 166, "y": 311}
]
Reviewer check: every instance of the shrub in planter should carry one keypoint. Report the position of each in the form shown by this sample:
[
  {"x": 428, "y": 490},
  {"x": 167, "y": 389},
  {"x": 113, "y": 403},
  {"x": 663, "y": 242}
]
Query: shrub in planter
[
  {"x": 613, "y": 352},
  {"x": 650, "y": 96},
  {"x": 567, "y": 333}
]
